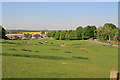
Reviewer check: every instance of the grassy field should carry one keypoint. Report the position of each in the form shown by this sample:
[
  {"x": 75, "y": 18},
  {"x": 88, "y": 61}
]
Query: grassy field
[{"x": 78, "y": 59}]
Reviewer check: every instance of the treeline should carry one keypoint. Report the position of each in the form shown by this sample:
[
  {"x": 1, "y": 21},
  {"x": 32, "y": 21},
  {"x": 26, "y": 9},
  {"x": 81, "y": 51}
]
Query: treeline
[
  {"x": 108, "y": 32},
  {"x": 78, "y": 34}
]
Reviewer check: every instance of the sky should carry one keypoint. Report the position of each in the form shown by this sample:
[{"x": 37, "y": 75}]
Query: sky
[
  {"x": 60, "y": 0},
  {"x": 57, "y": 15}
]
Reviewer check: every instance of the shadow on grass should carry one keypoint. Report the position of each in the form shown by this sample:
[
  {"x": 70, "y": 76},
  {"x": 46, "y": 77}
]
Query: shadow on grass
[
  {"x": 36, "y": 56},
  {"x": 12, "y": 43},
  {"x": 67, "y": 52},
  {"x": 13, "y": 49},
  {"x": 55, "y": 49},
  {"x": 80, "y": 57},
  {"x": 26, "y": 50}
]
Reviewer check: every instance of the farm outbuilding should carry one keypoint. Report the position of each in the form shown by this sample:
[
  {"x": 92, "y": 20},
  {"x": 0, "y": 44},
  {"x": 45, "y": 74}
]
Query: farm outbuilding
[
  {"x": 37, "y": 36},
  {"x": 15, "y": 36}
]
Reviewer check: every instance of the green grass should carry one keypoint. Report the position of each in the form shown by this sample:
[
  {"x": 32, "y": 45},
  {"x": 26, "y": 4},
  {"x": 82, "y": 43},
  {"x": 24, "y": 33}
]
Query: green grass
[{"x": 33, "y": 60}]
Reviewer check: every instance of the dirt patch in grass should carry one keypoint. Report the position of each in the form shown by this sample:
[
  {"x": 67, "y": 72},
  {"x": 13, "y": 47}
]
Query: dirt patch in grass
[
  {"x": 63, "y": 45},
  {"x": 22, "y": 69},
  {"x": 63, "y": 63}
]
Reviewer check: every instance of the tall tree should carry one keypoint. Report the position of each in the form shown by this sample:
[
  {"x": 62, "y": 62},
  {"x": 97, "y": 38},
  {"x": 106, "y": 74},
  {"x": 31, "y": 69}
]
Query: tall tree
[
  {"x": 2, "y": 32},
  {"x": 94, "y": 30},
  {"x": 62, "y": 35},
  {"x": 53, "y": 33},
  {"x": 79, "y": 32},
  {"x": 49, "y": 34},
  {"x": 112, "y": 26},
  {"x": 88, "y": 32},
  {"x": 71, "y": 36},
  {"x": 108, "y": 27},
  {"x": 43, "y": 32},
  {"x": 57, "y": 35},
  {"x": 118, "y": 35}
]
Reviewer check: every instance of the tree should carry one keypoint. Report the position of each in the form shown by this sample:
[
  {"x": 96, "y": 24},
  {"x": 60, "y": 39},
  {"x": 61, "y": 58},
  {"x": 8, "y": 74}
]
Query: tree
[
  {"x": 66, "y": 35},
  {"x": 53, "y": 33},
  {"x": 57, "y": 35},
  {"x": 102, "y": 34},
  {"x": 108, "y": 28},
  {"x": 62, "y": 35},
  {"x": 2, "y": 32},
  {"x": 79, "y": 33},
  {"x": 26, "y": 35},
  {"x": 118, "y": 35},
  {"x": 109, "y": 32},
  {"x": 94, "y": 31},
  {"x": 87, "y": 32},
  {"x": 43, "y": 32},
  {"x": 69, "y": 31},
  {"x": 29, "y": 36},
  {"x": 49, "y": 34},
  {"x": 71, "y": 36},
  {"x": 112, "y": 26},
  {"x": 93, "y": 27}
]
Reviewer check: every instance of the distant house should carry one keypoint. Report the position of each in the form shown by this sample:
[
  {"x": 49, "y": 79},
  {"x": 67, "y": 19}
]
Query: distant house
[
  {"x": 37, "y": 36},
  {"x": 15, "y": 36}
]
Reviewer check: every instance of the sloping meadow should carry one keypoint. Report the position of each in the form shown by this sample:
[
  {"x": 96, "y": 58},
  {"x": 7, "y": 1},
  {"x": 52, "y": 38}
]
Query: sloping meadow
[{"x": 78, "y": 58}]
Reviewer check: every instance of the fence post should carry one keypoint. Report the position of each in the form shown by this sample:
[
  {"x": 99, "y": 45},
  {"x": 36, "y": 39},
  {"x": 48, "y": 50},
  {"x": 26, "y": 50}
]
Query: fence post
[{"x": 114, "y": 75}]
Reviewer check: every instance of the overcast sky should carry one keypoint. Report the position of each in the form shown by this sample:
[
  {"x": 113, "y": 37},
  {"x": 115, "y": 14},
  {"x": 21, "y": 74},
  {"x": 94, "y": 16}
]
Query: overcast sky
[{"x": 57, "y": 15}]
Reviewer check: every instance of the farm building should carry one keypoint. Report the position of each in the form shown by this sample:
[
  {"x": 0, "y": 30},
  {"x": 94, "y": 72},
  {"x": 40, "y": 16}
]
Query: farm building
[
  {"x": 37, "y": 36},
  {"x": 15, "y": 36}
]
